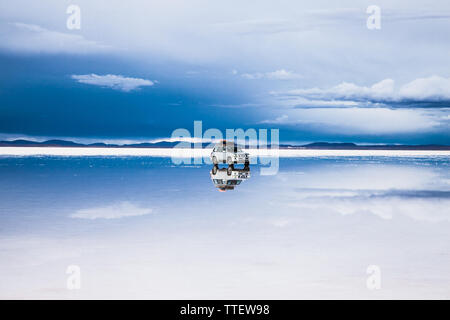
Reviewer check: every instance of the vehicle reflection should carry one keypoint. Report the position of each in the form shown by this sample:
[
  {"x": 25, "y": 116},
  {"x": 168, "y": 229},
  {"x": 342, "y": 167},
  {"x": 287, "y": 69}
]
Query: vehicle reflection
[{"x": 228, "y": 178}]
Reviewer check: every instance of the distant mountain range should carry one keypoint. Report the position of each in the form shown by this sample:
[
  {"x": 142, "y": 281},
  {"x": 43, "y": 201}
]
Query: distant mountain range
[
  {"x": 65, "y": 143},
  {"x": 167, "y": 144}
]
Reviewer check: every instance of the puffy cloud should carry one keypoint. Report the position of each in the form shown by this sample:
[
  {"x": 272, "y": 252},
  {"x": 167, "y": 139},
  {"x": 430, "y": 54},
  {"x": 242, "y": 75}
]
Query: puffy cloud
[
  {"x": 434, "y": 88},
  {"x": 431, "y": 89},
  {"x": 281, "y": 74},
  {"x": 112, "y": 81},
  {"x": 31, "y": 38},
  {"x": 116, "y": 211}
]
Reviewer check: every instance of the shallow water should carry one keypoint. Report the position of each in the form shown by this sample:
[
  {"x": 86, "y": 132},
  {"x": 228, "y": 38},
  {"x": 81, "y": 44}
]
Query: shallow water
[{"x": 141, "y": 227}]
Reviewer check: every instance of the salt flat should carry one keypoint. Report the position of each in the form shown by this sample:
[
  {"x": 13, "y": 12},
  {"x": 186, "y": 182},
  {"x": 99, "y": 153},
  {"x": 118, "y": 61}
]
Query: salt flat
[
  {"x": 169, "y": 152},
  {"x": 144, "y": 228}
]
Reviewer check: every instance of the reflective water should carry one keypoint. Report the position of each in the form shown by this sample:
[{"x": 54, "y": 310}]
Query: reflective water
[{"x": 140, "y": 227}]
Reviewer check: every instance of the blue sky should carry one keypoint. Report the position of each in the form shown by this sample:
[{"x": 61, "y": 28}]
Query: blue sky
[{"x": 139, "y": 70}]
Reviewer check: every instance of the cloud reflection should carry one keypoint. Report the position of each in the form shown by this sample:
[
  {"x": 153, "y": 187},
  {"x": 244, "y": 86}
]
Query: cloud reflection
[{"x": 115, "y": 211}]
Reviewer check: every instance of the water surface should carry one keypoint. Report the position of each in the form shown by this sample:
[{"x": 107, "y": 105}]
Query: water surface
[{"x": 141, "y": 227}]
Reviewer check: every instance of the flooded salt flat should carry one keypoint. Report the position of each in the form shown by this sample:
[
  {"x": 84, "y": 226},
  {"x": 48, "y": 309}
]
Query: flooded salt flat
[{"x": 142, "y": 227}]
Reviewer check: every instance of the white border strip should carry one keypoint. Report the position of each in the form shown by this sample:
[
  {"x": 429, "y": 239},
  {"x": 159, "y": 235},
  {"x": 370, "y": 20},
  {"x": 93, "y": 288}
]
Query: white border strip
[{"x": 192, "y": 153}]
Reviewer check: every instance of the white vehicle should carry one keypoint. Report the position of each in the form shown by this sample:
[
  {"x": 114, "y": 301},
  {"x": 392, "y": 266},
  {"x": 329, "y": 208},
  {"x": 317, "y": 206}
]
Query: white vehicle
[
  {"x": 229, "y": 178},
  {"x": 228, "y": 152}
]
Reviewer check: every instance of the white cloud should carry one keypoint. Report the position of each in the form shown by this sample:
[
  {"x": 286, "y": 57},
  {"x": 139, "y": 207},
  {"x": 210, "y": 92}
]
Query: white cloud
[
  {"x": 31, "y": 38},
  {"x": 116, "y": 211},
  {"x": 433, "y": 88},
  {"x": 316, "y": 39},
  {"x": 281, "y": 74},
  {"x": 360, "y": 120},
  {"x": 430, "y": 89},
  {"x": 116, "y": 82},
  {"x": 349, "y": 91},
  {"x": 289, "y": 102},
  {"x": 283, "y": 119}
]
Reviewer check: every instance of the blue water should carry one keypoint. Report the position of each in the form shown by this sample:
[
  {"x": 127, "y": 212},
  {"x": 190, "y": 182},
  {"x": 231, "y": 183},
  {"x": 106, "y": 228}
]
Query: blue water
[{"x": 142, "y": 227}]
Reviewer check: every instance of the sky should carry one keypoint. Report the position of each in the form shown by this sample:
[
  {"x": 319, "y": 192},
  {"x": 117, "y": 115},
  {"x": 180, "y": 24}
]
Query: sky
[{"x": 138, "y": 70}]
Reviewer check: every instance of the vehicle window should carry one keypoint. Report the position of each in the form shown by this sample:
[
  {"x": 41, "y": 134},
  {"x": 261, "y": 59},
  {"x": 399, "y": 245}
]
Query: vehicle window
[
  {"x": 235, "y": 149},
  {"x": 233, "y": 182}
]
